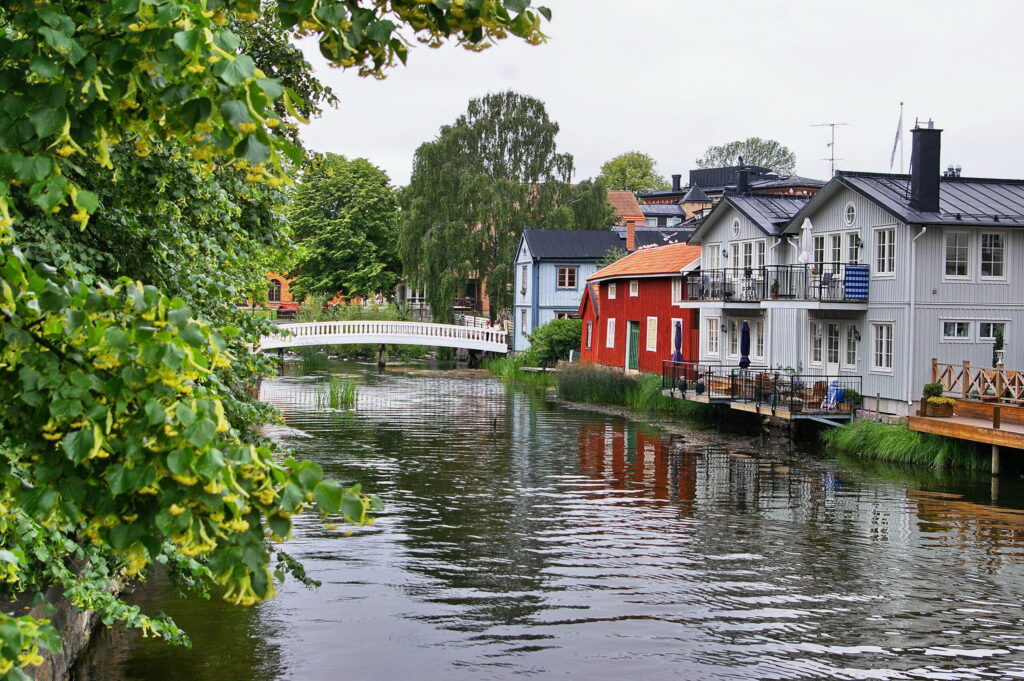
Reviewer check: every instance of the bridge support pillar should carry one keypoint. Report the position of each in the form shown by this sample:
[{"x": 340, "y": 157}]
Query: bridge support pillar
[{"x": 382, "y": 356}]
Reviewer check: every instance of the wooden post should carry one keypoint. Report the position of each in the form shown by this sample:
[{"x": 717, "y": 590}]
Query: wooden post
[
  {"x": 995, "y": 460},
  {"x": 965, "y": 377},
  {"x": 878, "y": 407},
  {"x": 994, "y": 491},
  {"x": 382, "y": 356},
  {"x": 935, "y": 370},
  {"x": 997, "y": 417}
]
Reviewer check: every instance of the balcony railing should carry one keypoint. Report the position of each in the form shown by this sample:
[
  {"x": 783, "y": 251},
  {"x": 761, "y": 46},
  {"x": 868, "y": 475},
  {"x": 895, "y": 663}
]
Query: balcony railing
[
  {"x": 826, "y": 282},
  {"x": 764, "y": 387}
]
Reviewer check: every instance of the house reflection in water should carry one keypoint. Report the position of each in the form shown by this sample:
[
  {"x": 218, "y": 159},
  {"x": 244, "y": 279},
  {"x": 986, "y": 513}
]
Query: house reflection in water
[{"x": 630, "y": 456}]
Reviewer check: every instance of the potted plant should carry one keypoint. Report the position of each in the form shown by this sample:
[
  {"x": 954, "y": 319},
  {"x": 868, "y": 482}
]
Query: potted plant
[
  {"x": 851, "y": 400},
  {"x": 774, "y": 290},
  {"x": 997, "y": 351},
  {"x": 940, "y": 407},
  {"x": 931, "y": 390}
]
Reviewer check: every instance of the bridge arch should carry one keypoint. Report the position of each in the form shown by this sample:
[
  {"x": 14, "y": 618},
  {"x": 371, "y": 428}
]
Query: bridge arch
[{"x": 389, "y": 333}]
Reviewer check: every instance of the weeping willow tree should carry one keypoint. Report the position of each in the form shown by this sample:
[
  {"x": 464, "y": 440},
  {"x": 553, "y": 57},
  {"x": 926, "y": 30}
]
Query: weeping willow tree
[{"x": 493, "y": 173}]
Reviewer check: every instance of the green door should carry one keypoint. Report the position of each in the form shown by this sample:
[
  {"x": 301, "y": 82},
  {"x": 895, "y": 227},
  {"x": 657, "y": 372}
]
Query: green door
[{"x": 633, "y": 347}]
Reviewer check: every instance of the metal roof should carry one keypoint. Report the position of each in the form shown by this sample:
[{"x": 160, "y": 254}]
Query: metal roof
[
  {"x": 571, "y": 243},
  {"x": 664, "y": 235},
  {"x": 963, "y": 201},
  {"x": 771, "y": 213},
  {"x": 653, "y": 209},
  {"x": 696, "y": 194}
]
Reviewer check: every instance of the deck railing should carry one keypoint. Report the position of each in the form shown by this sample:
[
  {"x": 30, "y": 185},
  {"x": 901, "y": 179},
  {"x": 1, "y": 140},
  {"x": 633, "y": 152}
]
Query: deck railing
[
  {"x": 827, "y": 282},
  {"x": 967, "y": 382}
]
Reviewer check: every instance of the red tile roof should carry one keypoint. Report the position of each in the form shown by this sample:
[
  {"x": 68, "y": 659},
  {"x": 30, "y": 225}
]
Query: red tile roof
[
  {"x": 625, "y": 204},
  {"x": 668, "y": 259}
]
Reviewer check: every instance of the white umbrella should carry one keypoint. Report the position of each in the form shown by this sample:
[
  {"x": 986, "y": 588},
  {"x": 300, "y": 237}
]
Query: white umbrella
[{"x": 806, "y": 242}]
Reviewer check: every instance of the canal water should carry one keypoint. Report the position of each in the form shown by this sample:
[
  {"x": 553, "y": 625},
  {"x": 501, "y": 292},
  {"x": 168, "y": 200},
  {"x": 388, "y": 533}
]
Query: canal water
[{"x": 523, "y": 539}]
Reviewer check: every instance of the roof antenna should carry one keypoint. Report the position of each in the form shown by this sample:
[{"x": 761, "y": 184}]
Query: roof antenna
[{"x": 831, "y": 145}]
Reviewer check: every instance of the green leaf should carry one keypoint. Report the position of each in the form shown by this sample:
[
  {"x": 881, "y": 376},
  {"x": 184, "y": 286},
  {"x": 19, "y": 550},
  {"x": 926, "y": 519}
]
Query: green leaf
[
  {"x": 77, "y": 444},
  {"x": 48, "y": 121},
  {"x": 380, "y": 31},
  {"x": 291, "y": 496},
  {"x": 196, "y": 110},
  {"x": 545, "y": 12},
  {"x": 117, "y": 479},
  {"x": 192, "y": 335},
  {"x": 184, "y": 414},
  {"x": 252, "y": 150},
  {"x": 517, "y": 6},
  {"x": 188, "y": 41},
  {"x": 227, "y": 41},
  {"x": 327, "y": 496},
  {"x": 201, "y": 432},
  {"x": 280, "y": 525},
  {"x": 352, "y": 508},
  {"x": 122, "y": 536},
  {"x": 210, "y": 463},
  {"x": 235, "y": 112},
  {"x": 155, "y": 413},
  {"x": 179, "y": 316},
  {"x": 44, "y": 68},
  {"x": 179, "y": 461},
  {"x": 271, "y": 87},
  {"x": 310, "y": 474},
  {"x": 235, "y": 71},
  {"x": 87, "y": 201}
]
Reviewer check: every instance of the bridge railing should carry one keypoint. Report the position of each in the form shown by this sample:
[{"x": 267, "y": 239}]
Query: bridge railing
[{"x": 423, "y": 330}]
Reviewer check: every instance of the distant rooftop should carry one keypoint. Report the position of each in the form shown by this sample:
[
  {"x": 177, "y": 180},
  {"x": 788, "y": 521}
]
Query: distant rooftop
[
  {"x": 571, "y": 243},
  {"x": 651, "y": 261}
]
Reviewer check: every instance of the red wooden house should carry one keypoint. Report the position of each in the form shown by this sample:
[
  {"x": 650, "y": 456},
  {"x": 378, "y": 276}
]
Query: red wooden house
[{"x": 630, "y": 309}]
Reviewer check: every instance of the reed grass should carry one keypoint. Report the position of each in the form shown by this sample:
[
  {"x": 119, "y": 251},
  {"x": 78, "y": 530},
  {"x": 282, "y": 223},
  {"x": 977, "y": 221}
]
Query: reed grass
[
  {"x": 899, "y": 444},
  {"x": 510, "y": 370},
  {"x": 338, "y": 392},
  {"x": 597, "y": 384}
]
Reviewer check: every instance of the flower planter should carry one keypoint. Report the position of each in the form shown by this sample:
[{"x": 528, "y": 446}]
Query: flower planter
[{"x": 938, "y": 410}]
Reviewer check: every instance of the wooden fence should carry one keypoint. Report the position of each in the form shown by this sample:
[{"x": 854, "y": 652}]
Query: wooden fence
[{"x": 968, "y": 382}]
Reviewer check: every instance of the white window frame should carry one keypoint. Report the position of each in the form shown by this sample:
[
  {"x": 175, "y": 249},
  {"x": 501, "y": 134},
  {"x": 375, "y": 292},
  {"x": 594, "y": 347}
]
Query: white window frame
[
  {"x": 981, "y": 252},
  {"x": 713, "y": 340},
  {"x": 609, "y": 340},
  {"x": 1004, "y": 323},
  {"x": 760, "y": 251},
  {"x": 877, "y": 257},
  {"x": 734, "y": 338},
  {"x": 522, "y": 321},
  {"x": 956, "y": 339},
  {"x": 818, "y": 250},
  {"x": 652, "y": 334},
  {"x": 946, "y": 234},
  {"x": 758, "y": 338},
  {"x": 590, "y": 334},
  {"x": 850, "y": 214},
  {"x": 568, "y": 270},
  {"x": 835, "y": 251},
  {"x": 850, "y": 344},
  {"x": 816, "y": 343},
  {"x": 634, "y": 288},
  {"x": 883, "y": 352},
  {"x": 854, "y": 253},
  {"x": 611, "y": 291},
  {"x": 677, "y": 290},
  {"x": 713, "y": 256}
]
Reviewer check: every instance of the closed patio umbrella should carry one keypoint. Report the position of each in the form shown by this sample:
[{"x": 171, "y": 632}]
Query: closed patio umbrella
[
  {"x": 744, "y": 345},
  {"x": 806, "y": 254},
  {"x": 677, "y": 356}
]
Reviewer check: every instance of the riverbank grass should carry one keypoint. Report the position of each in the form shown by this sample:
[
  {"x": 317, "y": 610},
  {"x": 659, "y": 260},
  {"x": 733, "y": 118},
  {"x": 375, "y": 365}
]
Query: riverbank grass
[
  {"x": 899, "y": 444},
  {"x": 511, "y": 370},
  {"x": 597, "y": 384}
]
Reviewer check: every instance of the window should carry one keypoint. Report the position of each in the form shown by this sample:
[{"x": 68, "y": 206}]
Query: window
[
  {"x": 611, "y": 291},
  {"x": 274, "y": 292},
  {"x": 852, "y": 336},
  {"x": 522, "y": 322},
  {"x": 853, "y": 247},
  {"x": 677, "y": 289},
  {"x": 650, "y": 222},
  {"x": 567, "y": 315},
  {"x": 759, "y": 339},
  {"x": 819, "y": 250},
  {"x": 816, "y": 343},
  {"x": 759, "y": 248},
  {"x": 881, "y": 357},
  {"x": 734, "y": 338},
  {"x": 988, "y": 330},
  {"x": 748, "y": 254},
  {"x": 885, "y": 251},
  {"x": 590, "y": 334},
  {"x": 836, "y": 251},
  {"x": 850, "y": 214},
  {"x": 712, "y": 256},
  {"x": 956, "y": 330},
  {"x": 634, "y": 288},
  {"x": 735, "y": 227},
  {"x": 652, "y": 334},
  {"x": 993, "y": 256},
  {"x": 522, "y": 274},
  {"x": 609, "y": 339},
  {"x": 735, "y": 248},
  {"x": 832, "y": 343},
  {"x": 957, "y": 248},
  {"x": 711, "y": 335},
  {"x": 567, "y": 277}
]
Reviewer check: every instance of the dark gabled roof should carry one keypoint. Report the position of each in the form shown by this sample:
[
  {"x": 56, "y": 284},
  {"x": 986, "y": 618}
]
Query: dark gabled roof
[
  {"x": 787, "y": 181},
  {"x": 963, "y": 201},
  {"x": 771, "y": 213},
  {"x": 658, "y": 209},
  {"x": 696, "y": 194},
  {"x": 720, "y": 177},
  {"x": 664, "y": 235},
  {"x": 571, "y": 243}
]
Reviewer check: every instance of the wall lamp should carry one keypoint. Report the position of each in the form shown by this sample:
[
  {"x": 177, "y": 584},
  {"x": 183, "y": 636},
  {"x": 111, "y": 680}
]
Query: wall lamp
[
  {"x": 856, "y": 335},
  {"x": 725, "y": 254},
  {"x": 723, "y": 328},
  {"x": 858, "y": 241}
]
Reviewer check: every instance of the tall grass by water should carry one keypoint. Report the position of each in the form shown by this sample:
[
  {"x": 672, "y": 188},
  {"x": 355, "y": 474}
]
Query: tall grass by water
[
  {"x": 510, "y": 369},
  {"x": 899, "y": 444},
  {"x": 597, "y": 384},
  {"x": 338, "y": 392}
]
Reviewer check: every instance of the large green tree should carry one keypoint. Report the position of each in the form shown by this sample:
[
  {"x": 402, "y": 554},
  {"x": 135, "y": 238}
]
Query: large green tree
[
  {"x": 142, "y": 154},
  {"x": 491, "y": 174},
  {"x": 755, "y": 151},
  {"x": 633, "y": 171},
  {"x": 346, "y": 217}
]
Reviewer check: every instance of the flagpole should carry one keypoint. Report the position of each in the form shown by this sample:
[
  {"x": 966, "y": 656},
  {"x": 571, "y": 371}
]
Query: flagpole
[{"x": 901, "y": 138}]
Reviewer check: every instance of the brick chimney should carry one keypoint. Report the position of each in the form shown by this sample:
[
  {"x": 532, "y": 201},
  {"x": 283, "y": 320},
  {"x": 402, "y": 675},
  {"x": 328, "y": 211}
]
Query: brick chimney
[
  {"x": 630, "y": 236},
  {"x": 925, "y": 168}
]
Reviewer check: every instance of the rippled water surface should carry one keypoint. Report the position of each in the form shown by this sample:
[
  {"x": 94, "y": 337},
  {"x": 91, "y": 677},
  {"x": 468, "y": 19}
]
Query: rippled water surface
[{"x": 526, "y": 540}]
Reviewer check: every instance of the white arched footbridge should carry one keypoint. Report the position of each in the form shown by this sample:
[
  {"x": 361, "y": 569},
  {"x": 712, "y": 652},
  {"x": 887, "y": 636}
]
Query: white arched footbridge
[{"x": 387, "y": 333}]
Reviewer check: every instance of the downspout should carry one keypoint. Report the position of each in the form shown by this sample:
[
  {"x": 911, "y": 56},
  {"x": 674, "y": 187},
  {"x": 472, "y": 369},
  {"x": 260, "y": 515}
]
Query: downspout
[
  {"x": 535, "y": 297},
  {"x": 913, "y": 317}
]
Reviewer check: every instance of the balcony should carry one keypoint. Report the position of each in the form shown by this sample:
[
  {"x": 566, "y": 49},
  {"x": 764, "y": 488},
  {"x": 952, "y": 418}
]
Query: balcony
[{"x": 820, "y": 282}]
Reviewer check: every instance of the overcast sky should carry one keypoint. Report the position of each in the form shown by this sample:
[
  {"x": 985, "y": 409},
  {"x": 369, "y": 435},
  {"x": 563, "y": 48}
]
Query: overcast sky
[{"x": 672, "y": 77}]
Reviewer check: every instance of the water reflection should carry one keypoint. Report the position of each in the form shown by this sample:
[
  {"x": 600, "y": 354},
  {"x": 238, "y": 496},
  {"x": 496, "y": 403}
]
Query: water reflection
[{"x": 524, "y": 539}]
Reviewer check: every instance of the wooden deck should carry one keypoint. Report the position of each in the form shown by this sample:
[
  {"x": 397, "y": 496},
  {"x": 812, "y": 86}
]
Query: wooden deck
[{"x": 973, "y": 421}]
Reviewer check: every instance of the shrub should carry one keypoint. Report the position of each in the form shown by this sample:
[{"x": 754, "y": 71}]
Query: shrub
[
  {"x": 555, "y": 340},
  {"x": 933, "y": 390}
]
